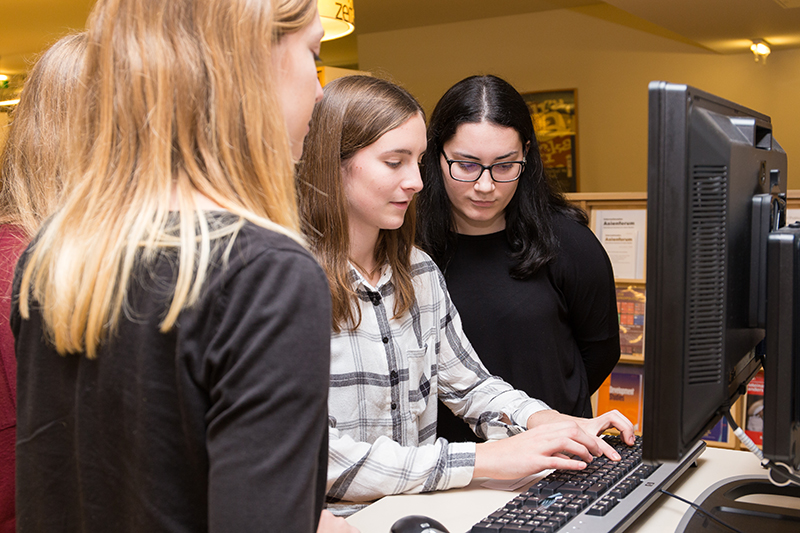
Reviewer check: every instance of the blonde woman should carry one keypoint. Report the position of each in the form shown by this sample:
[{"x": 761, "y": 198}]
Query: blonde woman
[
  {"x": 171, "y": 330},
  {"x": 397, "y": 343},
  {"x": 29, "y": 186}
]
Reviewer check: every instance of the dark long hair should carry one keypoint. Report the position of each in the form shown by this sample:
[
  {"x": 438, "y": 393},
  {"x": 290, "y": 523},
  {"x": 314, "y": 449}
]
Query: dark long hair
[{"x": 529, "y": 213}]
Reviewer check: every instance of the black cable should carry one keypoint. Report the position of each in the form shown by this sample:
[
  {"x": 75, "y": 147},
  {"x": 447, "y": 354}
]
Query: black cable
[
  {"x": 700, "y": 509},
  {"x": 729, "y": 418}
]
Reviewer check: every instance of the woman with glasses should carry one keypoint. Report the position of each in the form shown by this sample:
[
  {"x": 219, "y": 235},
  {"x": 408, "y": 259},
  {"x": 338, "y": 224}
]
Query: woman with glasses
[
  {"x": 397, "y": 343},
  {"x": 532, "y": 284}
]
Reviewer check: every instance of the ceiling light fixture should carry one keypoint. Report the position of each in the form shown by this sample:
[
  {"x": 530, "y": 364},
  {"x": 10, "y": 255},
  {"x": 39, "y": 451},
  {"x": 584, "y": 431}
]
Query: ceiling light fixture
[
  {"x": 761, "y": 50},
  {"x": 338, "y": 18},
  {"x": 8, "y": 103}
]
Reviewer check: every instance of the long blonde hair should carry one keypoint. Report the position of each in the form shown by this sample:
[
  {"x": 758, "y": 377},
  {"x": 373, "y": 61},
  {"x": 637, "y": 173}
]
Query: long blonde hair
[
  {"x": 354, "y": 113},
  {"x": 32, "y": 156},
  {"x": 177, "y": 100}
]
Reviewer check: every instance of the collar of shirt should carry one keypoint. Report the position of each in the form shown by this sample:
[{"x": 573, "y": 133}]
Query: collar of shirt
[{"x": 358, "y": 279}]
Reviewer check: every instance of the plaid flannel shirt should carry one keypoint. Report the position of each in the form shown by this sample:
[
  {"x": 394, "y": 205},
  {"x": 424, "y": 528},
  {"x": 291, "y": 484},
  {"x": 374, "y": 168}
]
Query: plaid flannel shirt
[{"x": 386, "y": 376}]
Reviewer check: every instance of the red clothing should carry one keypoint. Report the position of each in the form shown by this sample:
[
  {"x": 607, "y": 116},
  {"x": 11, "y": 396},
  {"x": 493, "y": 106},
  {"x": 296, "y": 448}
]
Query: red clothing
[{"x": 12, "y": 243}]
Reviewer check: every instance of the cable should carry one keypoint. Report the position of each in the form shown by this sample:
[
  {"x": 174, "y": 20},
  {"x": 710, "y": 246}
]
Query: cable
[
  {"x": 742, "y": 436},
  {"x": 701, "y": 510},
  {"x": 779, "y": 473}
]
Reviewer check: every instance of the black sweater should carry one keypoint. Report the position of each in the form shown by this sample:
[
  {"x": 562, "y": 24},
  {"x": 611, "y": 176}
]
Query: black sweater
[
  {"x": 554, "y": 335},
  {"x": 218, "y": 425}
]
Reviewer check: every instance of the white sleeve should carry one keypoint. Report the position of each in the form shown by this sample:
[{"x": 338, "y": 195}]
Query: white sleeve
[{"x": 359, "y": 471}]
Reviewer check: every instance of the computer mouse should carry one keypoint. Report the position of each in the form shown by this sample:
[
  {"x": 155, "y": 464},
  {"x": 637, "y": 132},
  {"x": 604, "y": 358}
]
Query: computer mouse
[{"x": 418, "y": 524}]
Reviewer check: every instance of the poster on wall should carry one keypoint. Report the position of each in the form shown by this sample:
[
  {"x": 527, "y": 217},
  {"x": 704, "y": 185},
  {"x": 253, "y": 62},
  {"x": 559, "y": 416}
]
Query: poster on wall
[{"x": 555, "y": 123}]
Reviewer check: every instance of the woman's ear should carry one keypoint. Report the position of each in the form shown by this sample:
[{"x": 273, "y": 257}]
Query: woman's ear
[{"x": 525, "y": 149}]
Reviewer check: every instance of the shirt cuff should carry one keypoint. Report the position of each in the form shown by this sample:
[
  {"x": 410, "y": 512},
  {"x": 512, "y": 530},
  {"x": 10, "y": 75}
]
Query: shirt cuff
[
  {"x": 461, "y": 456},
  {"x": 521, "y": 416}
]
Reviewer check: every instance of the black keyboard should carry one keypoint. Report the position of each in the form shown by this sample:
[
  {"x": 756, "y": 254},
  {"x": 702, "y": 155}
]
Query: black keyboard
[{"x": 607, "y": 496}]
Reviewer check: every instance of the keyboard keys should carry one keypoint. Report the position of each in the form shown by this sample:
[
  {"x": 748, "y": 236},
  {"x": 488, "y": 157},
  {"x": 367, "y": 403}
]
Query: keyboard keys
[
  {"x": 617, "y": 493},
  {"x": 537, "y": 488},
  {"x": 574, "y": 488},
  {"x": 603, "y": 506},
  {"x": 548, "y": 526},
  {"x": 597, "y": 489},
  {"x": 531, "y": 502},
  {"x": 519, "y": 527},
  {"x": 487, "y": 527},
  {"x": 573, "y": 509},
  {"x": 549, "y": 505},
  {"x": 517, "y": 502},
  {"x": 551, "y": 488},
  {"x": 598, "y": 509},
  {"x": 646, "y": 470}
]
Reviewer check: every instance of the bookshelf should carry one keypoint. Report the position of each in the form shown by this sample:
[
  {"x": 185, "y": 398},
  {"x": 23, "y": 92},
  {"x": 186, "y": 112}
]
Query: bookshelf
[
  {"x": 631, "y": 287},
  {"x": 619, "y": 221}
]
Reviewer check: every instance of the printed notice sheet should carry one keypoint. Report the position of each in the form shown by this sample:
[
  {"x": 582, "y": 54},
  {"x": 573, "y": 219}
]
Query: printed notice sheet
[{"x": 622, "y": 233}]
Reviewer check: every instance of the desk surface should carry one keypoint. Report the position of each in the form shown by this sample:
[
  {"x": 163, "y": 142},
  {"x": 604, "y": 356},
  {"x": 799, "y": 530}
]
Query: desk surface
[{"x": 459, "y": 509}]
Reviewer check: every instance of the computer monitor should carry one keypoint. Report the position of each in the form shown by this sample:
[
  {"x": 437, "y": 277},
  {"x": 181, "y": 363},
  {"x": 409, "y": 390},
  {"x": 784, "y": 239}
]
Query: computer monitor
[
  {"x": 716, "y": 183},
  {"x": 781, "y": 433}
]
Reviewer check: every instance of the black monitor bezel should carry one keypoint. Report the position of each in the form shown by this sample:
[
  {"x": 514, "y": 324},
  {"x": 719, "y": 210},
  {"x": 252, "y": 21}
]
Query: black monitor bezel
[{"x": 672, "y": 154}]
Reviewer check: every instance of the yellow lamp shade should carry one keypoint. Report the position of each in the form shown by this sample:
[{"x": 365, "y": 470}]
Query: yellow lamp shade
[{"x": 338, "y": 18}]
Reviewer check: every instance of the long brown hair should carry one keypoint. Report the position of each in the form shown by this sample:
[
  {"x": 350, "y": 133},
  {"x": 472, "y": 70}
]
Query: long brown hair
[
  {"x": 33, "y": 154},
  {"x": 354, "y": 113},
  {"x": 177, "y": 100}
]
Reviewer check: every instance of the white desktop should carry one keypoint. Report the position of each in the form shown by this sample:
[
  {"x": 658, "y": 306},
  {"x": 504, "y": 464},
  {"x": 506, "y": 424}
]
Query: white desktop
[{"x": 459, "y": 509}]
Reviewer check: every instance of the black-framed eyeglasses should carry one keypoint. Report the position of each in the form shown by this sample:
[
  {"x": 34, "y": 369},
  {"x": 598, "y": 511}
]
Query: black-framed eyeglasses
[{"x": 501, "y": 172}]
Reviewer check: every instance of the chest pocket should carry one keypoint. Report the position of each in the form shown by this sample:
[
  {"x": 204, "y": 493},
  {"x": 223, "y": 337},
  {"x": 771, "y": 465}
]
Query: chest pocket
[{"x": 421, "y": 380}]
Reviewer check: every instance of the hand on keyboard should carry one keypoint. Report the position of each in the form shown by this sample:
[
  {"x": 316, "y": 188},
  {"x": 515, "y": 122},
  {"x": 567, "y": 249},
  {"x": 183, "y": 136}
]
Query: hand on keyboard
[
  {"x": 553, "y": 441},
  {"x": 606, "y": 496},
  {"x": 593, "y": 426}
]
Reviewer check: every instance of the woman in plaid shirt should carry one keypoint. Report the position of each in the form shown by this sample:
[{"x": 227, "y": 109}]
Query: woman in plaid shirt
[{"x": 397, "y": 341}]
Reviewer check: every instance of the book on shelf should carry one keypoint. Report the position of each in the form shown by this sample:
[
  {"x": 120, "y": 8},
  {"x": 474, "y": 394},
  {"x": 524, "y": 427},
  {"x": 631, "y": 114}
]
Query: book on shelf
[
  {"x": 623, "y": 391},
  {"x": 719, "y": 434},
  {"x": 754, "y": 409},
  {"x": 630, "y": 309}
]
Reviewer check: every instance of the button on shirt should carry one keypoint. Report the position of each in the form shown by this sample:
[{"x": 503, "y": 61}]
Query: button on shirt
[{"x": 385, "y": 379}]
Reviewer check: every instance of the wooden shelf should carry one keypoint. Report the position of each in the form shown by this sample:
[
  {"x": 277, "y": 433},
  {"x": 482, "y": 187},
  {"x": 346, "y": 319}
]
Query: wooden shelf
[
  {"x": 624, "y": 281},
  {"x": 631, "y": 359}
]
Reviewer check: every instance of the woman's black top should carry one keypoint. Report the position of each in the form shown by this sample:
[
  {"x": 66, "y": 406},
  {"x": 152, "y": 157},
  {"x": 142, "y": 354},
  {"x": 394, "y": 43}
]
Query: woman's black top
[
  {"x": 554, "y": 335},
  {"x": 219, "y": 424}
]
